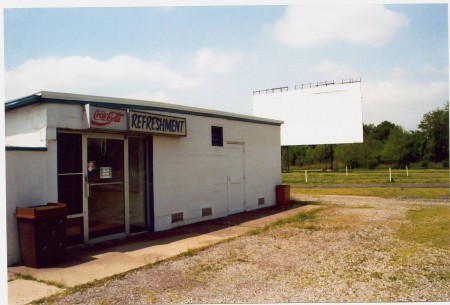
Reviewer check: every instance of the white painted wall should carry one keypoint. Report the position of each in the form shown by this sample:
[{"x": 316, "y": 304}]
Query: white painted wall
[
  {"x": 35, "y": 125},
  {"x": 26, "y": 127},
  {"x": 31, "y": 176},
  {"x": 190, "y": 173},
  {"x": 65, "y": 116},
  {"x": 30, "y": 180}
]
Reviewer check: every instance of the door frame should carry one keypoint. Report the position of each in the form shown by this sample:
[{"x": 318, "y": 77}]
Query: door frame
[{"x": 126, "y": 232}]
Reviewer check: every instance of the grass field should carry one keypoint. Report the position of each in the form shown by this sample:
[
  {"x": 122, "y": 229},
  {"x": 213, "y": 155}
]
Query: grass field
[
  {"x": 428, "y": 225},
  {"x": 317, "y": 177},
  {"x": 429, "y": 193},
  {"x": 372, "y": 183}
]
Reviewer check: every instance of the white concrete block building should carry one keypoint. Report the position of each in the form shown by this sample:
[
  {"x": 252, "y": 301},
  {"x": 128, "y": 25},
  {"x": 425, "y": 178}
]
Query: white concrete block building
[{"x": 125, "y": 167}]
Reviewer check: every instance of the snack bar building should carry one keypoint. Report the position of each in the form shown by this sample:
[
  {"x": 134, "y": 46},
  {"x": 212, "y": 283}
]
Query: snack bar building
[{"x": 124, "y": 167}]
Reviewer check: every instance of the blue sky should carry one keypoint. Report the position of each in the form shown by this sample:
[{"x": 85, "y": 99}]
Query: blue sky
[{"x": 214, "y": 57}]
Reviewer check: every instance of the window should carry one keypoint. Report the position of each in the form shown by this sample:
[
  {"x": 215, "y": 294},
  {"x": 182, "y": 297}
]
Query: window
[
  {"x": 70, "y": 171},
  {"x": 216, "y": 136}
]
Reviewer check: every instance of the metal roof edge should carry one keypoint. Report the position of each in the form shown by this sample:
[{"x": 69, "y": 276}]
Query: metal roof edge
[
  {"x": 23, "y": 101},
  {"x": 25, "y": 148},
  {"x": 113, "y": 102}
]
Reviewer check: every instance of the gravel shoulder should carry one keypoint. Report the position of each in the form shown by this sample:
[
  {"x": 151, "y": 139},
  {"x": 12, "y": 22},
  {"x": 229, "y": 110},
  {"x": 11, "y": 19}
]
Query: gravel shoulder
[{"x": 349, "y": 253}]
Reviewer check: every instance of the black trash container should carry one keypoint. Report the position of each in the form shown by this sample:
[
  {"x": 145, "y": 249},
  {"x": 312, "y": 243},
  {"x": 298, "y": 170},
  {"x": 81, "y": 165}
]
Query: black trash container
[{"x": 42, "y": 234}]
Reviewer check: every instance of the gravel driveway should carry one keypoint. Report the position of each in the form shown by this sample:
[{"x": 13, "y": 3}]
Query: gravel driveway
[{"x": 350, "y": 253}]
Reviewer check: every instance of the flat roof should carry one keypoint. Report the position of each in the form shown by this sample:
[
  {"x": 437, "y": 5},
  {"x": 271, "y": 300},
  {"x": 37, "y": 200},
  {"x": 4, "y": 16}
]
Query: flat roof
[{"x": 122, "y": 103}]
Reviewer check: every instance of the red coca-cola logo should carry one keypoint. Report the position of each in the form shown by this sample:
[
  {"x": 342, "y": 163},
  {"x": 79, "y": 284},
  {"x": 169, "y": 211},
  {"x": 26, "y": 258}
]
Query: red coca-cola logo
[{"x": 103, "y": 118}]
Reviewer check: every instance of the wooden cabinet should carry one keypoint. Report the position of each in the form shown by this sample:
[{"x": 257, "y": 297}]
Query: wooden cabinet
[{"x": 42, "y": 234}]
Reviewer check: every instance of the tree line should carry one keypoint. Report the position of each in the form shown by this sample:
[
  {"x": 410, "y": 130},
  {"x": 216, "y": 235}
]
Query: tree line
[{"x": 383, "y": 144}]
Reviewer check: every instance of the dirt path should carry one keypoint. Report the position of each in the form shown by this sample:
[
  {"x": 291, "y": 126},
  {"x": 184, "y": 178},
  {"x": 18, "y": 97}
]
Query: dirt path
[{"x": 349, "y": 253}]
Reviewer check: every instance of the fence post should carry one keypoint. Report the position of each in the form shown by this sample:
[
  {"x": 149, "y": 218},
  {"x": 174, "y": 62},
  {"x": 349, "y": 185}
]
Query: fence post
[
  {"x": 306, "y": 176},
  {"x": 390, "y": 175}
]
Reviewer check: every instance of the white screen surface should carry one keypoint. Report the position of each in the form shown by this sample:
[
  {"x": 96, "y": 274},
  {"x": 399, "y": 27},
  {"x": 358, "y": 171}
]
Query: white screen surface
[{"x": 319, "y": 115}]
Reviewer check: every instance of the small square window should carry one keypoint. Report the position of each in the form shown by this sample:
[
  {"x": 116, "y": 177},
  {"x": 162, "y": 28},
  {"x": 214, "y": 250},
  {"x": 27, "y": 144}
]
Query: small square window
[{"x": 216, "y": 136}]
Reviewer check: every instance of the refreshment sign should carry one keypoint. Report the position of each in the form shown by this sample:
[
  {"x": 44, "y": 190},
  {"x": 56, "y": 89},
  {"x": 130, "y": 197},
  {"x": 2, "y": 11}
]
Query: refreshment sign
[
  {"x": 156, "y": 124},
  {"x": 106, "y": 118}
]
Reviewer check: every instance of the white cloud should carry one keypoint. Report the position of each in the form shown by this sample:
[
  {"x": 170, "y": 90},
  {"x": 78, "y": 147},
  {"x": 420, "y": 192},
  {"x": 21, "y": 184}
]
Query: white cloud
[
  {"x": 314, "y": 25},
  {"x": 207, "y": 61},
  {"x": 429, "y": 69},
  {"x": 401, "y": 102},
  {"x": 400, "y": 72},
  {"x": 75, "y": 74},
  {"x": 330, "y": 70},
  {"x": 124, "y": 75},
  {"x": 157, "y": 96}
]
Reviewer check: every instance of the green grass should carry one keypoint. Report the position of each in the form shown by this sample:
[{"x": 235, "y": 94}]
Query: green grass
[
  {"x": 302, "y": 220},
  {"x": 383, "y": 192},
  {"x": 367, "y": 177},
  {"x": 428, "y": 225},
  {"x": 32, "y": 278},
  {"x": 191, "y": 252}
]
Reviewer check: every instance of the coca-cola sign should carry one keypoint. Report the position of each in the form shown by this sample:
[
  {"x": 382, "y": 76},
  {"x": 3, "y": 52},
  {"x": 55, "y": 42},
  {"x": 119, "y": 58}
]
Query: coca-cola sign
[
  {"x": 103, "y": 118},
  {"x": 106, "y": 118}
]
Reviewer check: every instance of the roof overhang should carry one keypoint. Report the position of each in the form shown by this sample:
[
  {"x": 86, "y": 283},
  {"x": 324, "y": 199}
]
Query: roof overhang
[{"x": 122, "y": 103}]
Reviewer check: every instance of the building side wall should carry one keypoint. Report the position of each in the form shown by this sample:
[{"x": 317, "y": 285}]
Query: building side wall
[
  {"x": 188, "y": 174},
  {"x": 191, "y": 174},
  {"x": 263, "y": 164},
  {"x": 26, "y": 127},
  {"x": 30, "y": 180}
]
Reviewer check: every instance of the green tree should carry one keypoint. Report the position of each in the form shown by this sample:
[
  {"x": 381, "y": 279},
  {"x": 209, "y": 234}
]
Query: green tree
[
  {"x": 319, "y": 154},
  {"x": 366, "y": 154},
  {"x": 382, "y": 131},
  {"x": 398, "y": 147},
  {"x": 350, "y": 154},
  {"x": 417, "y": 145},
  {"x": 435, "y": 130}
]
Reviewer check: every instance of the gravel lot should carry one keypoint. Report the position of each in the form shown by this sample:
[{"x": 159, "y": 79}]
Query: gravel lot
[{"x": 349, "y": 254}]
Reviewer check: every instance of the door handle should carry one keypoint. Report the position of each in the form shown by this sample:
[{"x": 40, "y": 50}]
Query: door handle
[
  {"x": 88, "y": 190},
  {"x": 88, "y": 187}
]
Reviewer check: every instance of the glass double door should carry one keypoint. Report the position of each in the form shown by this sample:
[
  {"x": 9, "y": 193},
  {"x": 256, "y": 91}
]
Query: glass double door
[{"x": 115, "y": 202}]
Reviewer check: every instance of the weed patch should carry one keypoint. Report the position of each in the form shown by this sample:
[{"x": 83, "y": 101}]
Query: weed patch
[
  {"x": 32, "y": 278},
  {"x": 376, "y": 275},
  {"x": 303, "y": 220},
  {"x": 191, "y": 252},
  {"x": 428, "y": 226}
]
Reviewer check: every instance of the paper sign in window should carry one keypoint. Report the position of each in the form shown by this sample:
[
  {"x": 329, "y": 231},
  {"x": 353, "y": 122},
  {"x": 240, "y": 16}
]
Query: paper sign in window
[{"x": 105, "y": 172}]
